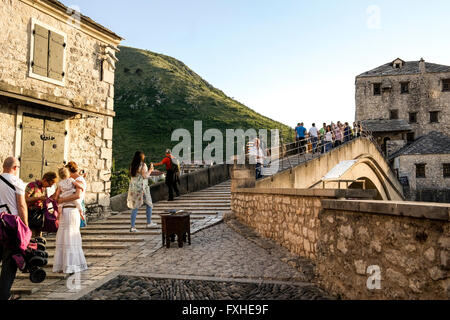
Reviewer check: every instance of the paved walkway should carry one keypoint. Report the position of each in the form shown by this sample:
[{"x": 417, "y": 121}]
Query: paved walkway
[
  {"x": 226, "y": 261},
  {"x": 108, "y": 244}
]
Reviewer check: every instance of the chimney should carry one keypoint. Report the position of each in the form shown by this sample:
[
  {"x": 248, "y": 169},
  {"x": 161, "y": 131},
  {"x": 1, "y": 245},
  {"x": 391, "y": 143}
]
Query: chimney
[{"x": 422, "y": 68}]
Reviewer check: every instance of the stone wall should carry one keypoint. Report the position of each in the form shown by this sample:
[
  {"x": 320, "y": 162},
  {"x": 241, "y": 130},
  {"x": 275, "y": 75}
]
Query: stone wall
[
  {"x": 425, "y": 95},
  {"x": 409, "y": 242},
  {"x": 7, "y": 129},
  {"x": 290, "y": 217},
  {"x": 91, "y": 148}
]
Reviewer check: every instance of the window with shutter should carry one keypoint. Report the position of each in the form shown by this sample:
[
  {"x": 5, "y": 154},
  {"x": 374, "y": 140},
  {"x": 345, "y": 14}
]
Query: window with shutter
[
  {"x": 56, "y": 56},
  {"x": 47, "y": 53},
  {"x": 40, "y": 53}
]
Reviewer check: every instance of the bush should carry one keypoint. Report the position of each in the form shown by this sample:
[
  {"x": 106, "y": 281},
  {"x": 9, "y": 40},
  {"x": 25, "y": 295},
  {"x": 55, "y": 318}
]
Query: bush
[{"x": 120, "y": 180}]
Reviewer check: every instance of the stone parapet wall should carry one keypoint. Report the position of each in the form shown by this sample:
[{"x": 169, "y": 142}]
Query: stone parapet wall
[
  {"x": 290, "y": 217},
  {"x": 409, "y": 242}
]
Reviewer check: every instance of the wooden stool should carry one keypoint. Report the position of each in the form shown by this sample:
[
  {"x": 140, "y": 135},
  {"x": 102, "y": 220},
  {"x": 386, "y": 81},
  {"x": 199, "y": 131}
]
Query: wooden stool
[{"x": 178, "y": 224}]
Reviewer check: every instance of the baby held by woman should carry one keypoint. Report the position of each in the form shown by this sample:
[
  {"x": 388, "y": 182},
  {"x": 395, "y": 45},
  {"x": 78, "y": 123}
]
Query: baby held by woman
[{"x": 67, "y": 187}]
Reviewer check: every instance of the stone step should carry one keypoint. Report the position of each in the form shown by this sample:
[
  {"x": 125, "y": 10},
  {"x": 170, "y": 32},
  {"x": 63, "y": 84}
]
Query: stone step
[
  {"x": 87, "y": 254},
  {"x": 96, "y": 246},
  {"x": 104, "y": 239},
  {"x": 50, "y": 275},
  {"x": 155, "y": 217},
  {"x": 117, "y": 232},
  {"x": 117, "y": 226},
  {"x": 22, "y": 290},
  {"x": 203, "y": 206}
]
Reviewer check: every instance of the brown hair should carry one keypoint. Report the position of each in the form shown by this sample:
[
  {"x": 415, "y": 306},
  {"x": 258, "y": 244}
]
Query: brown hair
[
  {"x": 50, "y": 177},
  {"x": 63, "y": 173},
  {"x": 72, "y": 166}
]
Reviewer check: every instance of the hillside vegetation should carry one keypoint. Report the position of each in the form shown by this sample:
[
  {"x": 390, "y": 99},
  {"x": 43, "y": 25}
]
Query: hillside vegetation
[{"x": 156, "y": 94}]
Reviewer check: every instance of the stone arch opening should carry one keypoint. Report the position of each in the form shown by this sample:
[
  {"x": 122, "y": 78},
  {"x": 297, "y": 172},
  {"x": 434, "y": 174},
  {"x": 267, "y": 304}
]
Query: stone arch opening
[{"x": 369, "y": 186}]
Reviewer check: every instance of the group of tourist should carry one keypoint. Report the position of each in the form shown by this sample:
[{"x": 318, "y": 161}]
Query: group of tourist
[
  {"x": 326, "y": 138},
  {"x": 28, "y": 201}
]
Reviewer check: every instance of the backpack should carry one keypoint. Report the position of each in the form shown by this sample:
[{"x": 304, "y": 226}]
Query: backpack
[{"x": 175, "y": 164}]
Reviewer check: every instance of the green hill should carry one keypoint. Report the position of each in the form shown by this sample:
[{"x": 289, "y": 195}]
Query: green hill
[{"x": 156, "y": 94}]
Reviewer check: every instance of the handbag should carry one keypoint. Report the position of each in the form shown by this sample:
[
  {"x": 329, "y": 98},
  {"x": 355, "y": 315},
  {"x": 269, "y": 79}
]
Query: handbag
[{"x": 51, "y": 213}]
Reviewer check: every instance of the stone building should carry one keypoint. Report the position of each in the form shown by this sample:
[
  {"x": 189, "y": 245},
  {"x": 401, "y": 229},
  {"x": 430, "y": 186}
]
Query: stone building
[
  {"x": 57, "y": 92},
  {"x": 423, "y": 168},
  {"x": 415, "y": 91},
  {"x": 406, "y": 107}
]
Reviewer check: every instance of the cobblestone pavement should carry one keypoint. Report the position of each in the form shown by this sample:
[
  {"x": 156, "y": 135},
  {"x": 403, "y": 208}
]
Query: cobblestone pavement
[
  {"x": 244, "y": 267},
  {"x": 220, "y": 252},
  {"x": 142, "y": 288}
]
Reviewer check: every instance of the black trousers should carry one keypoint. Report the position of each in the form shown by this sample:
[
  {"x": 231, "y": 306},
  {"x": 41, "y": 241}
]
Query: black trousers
[
  {"x": 8, "y": 274},
  {"x": 171, "y": 182}
]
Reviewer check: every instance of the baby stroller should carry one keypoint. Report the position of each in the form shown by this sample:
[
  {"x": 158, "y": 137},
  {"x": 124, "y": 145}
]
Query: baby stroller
[{"x": 31, "y": 256}]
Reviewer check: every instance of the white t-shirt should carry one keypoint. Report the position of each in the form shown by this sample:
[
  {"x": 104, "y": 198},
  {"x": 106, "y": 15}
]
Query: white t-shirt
[
  {"x": 8, "y": 195},
  {"x": 314, "y": 132}
]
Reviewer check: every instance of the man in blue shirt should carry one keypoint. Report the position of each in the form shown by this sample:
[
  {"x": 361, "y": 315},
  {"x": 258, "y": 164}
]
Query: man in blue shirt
[{"x": 301, "y": 137}]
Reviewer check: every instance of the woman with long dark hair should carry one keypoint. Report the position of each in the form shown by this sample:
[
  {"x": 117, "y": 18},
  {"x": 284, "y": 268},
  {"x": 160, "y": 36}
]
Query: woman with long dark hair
[{"x": 139, "y": 190}]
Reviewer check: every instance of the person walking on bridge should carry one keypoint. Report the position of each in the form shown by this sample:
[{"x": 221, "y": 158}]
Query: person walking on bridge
[
  {"x": 173, "y": 172},
  {"x": 314, "y": 136},
  {"x": 301, "y": 137}
]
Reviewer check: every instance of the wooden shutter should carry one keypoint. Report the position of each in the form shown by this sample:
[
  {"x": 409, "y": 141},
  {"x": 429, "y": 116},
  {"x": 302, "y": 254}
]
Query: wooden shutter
[
  {"x": 56, "y": 56},
  {"x": 40, "y": 53}
]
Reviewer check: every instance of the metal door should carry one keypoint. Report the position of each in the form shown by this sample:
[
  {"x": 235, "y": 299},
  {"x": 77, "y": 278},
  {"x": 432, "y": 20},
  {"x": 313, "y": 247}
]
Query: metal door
[{"x": 32, "y": 149}]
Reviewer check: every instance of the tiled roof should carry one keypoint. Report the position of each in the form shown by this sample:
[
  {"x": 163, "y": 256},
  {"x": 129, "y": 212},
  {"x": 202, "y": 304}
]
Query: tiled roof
[
  {"x": 432, "y": 143},
  {"x": 381, "y": 125},
  {"x": 409, "y": 67}
]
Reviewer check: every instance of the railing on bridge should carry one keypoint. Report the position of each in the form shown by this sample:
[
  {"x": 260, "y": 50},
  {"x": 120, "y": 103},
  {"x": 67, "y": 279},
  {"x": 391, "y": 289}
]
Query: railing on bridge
[{"x": 309, "y": 148}]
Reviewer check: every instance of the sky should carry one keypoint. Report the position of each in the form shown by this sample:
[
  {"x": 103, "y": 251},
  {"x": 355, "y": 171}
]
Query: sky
[{"x": 291, "y": 60}]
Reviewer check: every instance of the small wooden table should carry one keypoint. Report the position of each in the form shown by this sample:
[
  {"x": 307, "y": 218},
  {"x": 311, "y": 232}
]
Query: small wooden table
[{"x": 176, "y": 224}]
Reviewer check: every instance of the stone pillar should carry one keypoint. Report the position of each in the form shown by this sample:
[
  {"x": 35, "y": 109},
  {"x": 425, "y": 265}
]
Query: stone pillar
[{"x": 243, "y": 176}]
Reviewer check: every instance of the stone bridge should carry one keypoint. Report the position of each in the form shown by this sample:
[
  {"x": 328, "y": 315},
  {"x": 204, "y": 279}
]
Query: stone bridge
[{"x": 357, "y": 160}]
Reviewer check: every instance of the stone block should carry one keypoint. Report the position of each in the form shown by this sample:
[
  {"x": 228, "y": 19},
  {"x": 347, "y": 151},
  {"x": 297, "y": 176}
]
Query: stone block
[
  {"x": 110, "y": 122},
  {"x": 109, "y": 103},
  {"x": 97, "y": 187},
  {"x": 91, "y": 198},
  {"x": 104, "y": 200},
  {"x": 360, "y": 267},
  {"x": 111, "y": 91},
  {"x": 106, "y": 154},
  {"x": 105, "y": 175},
  {"x": 107, "y": 134},
  {"x": 108, "y": 76},
  {"x": 430, "y": 254}
]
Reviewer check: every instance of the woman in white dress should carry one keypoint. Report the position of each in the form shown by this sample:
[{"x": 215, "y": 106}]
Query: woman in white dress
[{"x": 69, "y": 256}]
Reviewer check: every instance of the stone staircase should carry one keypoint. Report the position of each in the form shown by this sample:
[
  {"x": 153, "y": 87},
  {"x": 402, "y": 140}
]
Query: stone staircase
[{"x": 106, "y": 239}]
